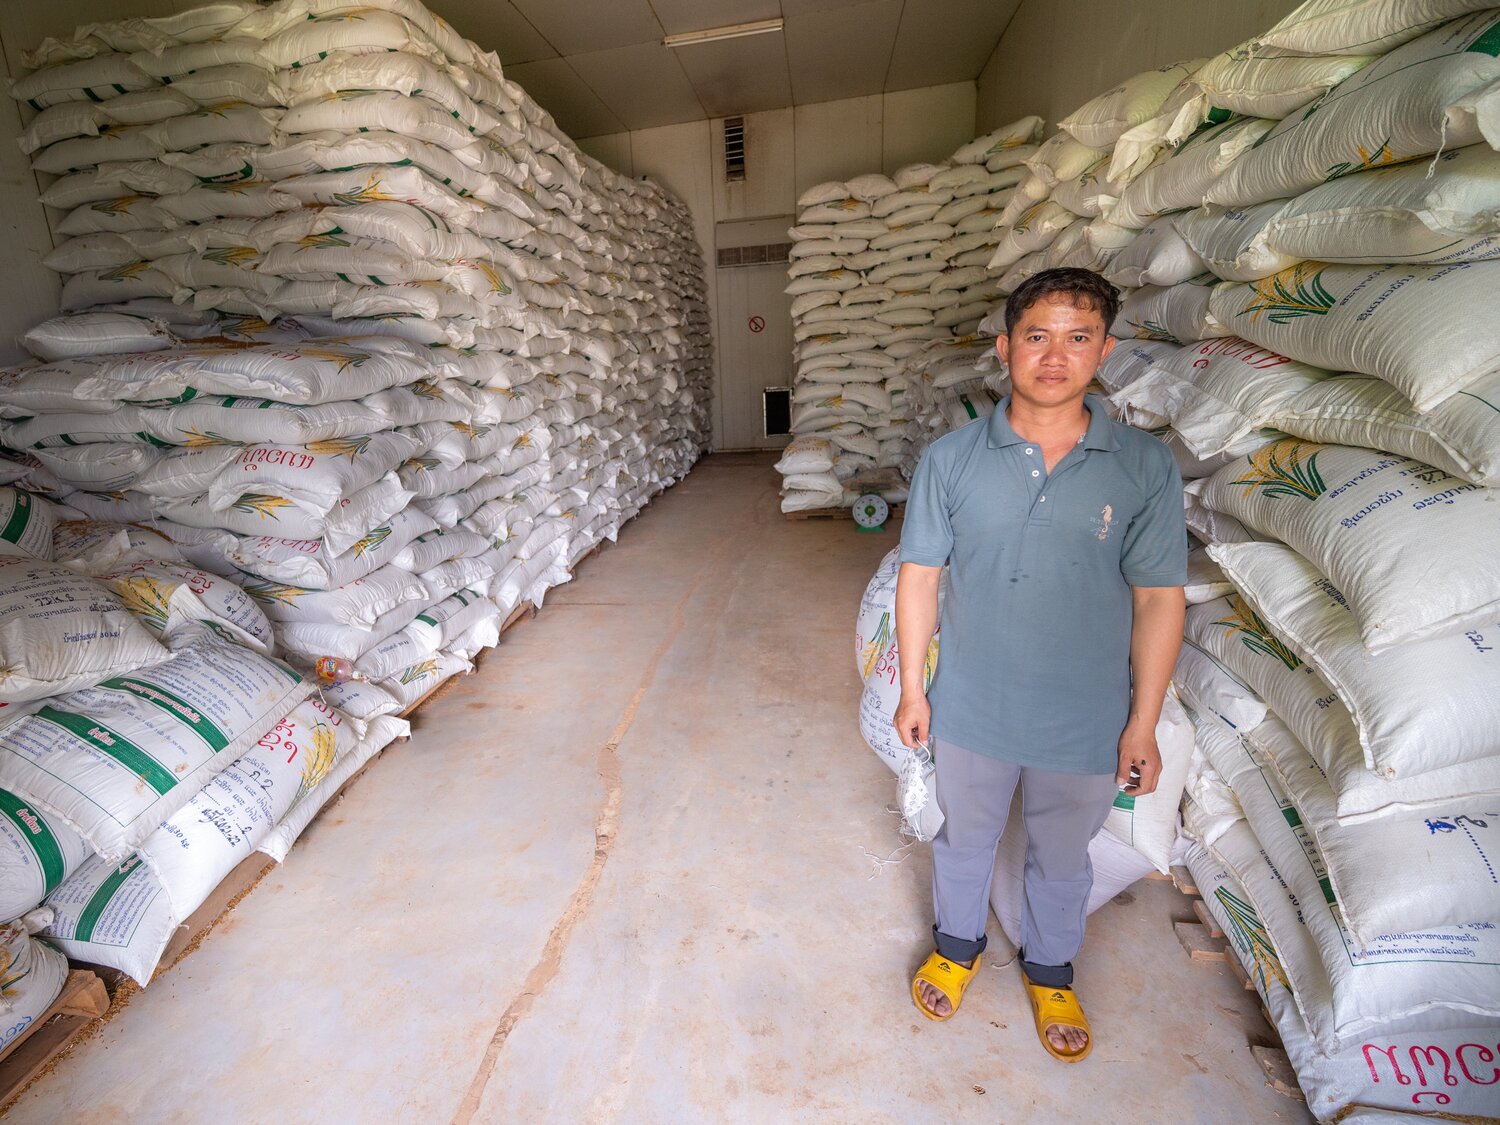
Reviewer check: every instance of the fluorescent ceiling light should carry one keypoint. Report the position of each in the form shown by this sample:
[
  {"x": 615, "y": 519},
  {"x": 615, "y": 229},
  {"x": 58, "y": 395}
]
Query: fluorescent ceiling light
[{"x": 714, "y": 34}]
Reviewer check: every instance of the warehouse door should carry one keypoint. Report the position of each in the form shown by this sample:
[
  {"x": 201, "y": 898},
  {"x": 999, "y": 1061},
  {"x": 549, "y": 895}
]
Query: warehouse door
[{"x": 755, "y": 332}]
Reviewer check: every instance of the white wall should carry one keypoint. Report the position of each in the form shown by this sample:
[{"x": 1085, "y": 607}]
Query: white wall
[
  {"x": 787, "y": 151},
  {"x": 1057, "y": 54}
]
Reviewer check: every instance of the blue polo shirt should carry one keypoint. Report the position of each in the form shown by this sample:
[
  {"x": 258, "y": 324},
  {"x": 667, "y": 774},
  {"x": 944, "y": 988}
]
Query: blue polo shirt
[{"x": 1034, "y": 666}]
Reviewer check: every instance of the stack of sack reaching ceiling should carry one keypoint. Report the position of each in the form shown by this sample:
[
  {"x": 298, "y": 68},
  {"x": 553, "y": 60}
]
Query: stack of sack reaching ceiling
[
  {"x": 1314, "y": 332},
  {"x": 883, "y": 267},
  {"x": 352, "y": 323}
]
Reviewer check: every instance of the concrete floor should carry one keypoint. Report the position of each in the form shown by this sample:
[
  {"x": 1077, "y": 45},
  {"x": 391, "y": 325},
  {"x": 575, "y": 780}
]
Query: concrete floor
[{"x": 620, "y": 875}]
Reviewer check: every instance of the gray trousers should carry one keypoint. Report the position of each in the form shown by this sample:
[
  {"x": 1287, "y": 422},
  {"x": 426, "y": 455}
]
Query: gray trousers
[{"x": 1062, "y": 812}]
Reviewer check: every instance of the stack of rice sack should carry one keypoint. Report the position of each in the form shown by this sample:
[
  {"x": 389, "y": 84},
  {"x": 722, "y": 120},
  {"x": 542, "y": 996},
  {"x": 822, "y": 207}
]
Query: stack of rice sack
[
  {"x": 149, "y": 742},
  {"x": 1330, "y": 394},
  {"x": 882, "y": 267},
  {"x": 352, "y": 322}
]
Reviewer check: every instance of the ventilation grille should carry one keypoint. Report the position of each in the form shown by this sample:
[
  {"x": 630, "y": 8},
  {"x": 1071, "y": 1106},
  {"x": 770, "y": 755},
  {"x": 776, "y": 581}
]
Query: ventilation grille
[
  {"x": 773, "y": 254},
  {"x": 734, "y": 149}
]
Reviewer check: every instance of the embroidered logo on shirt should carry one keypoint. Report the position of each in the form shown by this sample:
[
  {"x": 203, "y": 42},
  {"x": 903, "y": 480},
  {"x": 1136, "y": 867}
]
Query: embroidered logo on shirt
[{"x": 1104, "y": 523}]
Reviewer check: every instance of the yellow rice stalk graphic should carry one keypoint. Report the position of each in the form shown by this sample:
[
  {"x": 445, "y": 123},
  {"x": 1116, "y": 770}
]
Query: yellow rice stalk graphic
[
  {"x": 1023, "y": 224},
  {"x": 497, "y": 283},
  {"x": 426, "y": 390},
  {"x": 421, "y": 464},
  {"x": 232, "y": 255},
  {"x": 372, "y": 540},
  {"x": 1292, "y": 293},
  {"x": 344, "y": 360},
  {"x": 219, "y": 109},
  {"x": 318, "y": 760},
  {"x": 1255, "y": 634},
  {"x": 120, "y": 206},
  {"x": 346, "y": 95},
  {"x": 875, "y": 648},
  {"x": 145, "y": 598},
  {"x": 1284, "y": 468},
  {"x": 323, "y": 241},
  {"x": 261, "y": 504},
  {"x": 419, "y": 671},
  {"x": 244, "y": 325},
  {"x": 1004, "y": 146},
  {"x": 1379, "y": 157},
  {"x": 237, "y": 187},
  {"x": 126, "y": 272},
  {"x": 1151, "y": 330},
  {"x": 274, "y": 593},
  {"x": 1250, "y": 933},
  {"x": 9, "y": 976},
  {"x": 199, "y": 439},
  {"x": 350, "y": 447},
  {"x": 370, "y": 192}
]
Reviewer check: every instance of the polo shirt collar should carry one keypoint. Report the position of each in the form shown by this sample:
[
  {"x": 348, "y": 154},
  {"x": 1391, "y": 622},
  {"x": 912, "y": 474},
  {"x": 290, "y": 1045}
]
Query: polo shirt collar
[{"x": 1099, "y": 435}]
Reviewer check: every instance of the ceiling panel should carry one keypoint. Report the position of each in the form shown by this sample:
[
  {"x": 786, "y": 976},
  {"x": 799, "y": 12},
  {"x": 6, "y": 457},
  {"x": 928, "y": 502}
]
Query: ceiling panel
[
  {"x": 739, "y": 75},
  {"x": 577, "y": 26},
  {"x": 665, "y": 98},
  {"x": 944, "y": 41},
  {"x": 555, "y": 86},
  {"x": 841, "y": 53},
  {"x": 677, "y": 16},
  {"x": 790, "y": 8},
  {"x": 496, "y": 26}
]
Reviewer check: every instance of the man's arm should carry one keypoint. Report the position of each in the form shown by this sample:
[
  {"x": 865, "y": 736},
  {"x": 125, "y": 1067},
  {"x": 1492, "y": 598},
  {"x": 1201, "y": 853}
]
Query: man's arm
[
  {"x": 1155, "y": 637},
  {"x": 916, "y": 621}
]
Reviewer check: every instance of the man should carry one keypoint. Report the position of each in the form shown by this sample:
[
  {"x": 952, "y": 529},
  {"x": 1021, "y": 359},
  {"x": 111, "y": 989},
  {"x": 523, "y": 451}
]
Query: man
[{"x": 1064, "y": 537}]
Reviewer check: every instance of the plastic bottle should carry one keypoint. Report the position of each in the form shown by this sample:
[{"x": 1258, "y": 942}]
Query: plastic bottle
[{"x": 336, "y": 670}]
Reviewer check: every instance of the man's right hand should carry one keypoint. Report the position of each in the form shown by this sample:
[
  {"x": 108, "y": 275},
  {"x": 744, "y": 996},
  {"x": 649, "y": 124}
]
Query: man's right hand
[{"x": 913, "y": 715}]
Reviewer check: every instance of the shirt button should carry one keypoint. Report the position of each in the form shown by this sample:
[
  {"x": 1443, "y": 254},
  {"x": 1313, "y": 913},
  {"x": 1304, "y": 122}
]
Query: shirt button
[
  {"x": 1028, "y": 451},
  {"x": 1044, "y": 499},
  {"x": 1035, "y": 473}
]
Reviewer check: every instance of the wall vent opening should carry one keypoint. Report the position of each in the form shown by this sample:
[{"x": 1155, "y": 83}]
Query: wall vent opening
[
  {"x": 778, "y": 411},
  {"x": 734, "y": 149}
]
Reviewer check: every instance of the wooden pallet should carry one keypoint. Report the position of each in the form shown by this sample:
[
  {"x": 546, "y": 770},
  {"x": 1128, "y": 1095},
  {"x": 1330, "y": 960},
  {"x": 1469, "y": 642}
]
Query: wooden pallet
[
  {"x": 82, "y": 1002},
  {"x": 897, "y": 512}
]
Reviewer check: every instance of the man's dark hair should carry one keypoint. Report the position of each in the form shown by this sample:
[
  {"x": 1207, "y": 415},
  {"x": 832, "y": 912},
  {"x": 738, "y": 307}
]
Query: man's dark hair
[{"x": 1085, "y": 289}]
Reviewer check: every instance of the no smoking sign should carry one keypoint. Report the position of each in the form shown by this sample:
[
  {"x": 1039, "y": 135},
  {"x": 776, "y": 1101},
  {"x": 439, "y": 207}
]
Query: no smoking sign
[{"x": 757, "y": 324}]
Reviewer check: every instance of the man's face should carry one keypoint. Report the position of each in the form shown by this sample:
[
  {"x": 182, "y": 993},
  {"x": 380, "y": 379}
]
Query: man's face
[{"x": 1054, "y": 351}]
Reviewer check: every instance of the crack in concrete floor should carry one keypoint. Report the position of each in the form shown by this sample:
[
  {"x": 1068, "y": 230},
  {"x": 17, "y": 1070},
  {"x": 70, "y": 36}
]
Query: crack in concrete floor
[{"x": 606, "y": 829}]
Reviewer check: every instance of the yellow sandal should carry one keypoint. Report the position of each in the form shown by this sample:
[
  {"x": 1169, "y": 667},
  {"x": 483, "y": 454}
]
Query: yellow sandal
[
  {"x": 948, "y": 977},
  {"x": 1058, "y": 1007}
]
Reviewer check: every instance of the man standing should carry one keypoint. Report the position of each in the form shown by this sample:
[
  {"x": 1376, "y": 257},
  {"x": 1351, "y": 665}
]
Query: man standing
[{"x": 1064, "y": 537}]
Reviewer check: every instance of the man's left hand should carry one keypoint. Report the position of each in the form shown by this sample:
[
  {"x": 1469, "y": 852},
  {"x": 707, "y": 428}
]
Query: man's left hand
[{"x": 1138, "y": 749}]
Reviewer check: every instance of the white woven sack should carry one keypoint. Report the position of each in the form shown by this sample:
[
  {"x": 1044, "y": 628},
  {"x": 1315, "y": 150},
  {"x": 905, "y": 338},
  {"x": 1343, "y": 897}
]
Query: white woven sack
[
  {"x": 1158, "y": 255},
  {"x": 1356, "y": 27},
  {"x": 310, "y": 564},
  {"x": 1233, "y": 242},
  {"x": 1209, "y": 806},
  {"x": 98, "y": 467},
  {"x": 1099, "y": 123},
  {"x": 1181, "y": 181},
  {"x": 1214, "y": 691},
  {"x": 1417, "y": 707},
  {"x": 1394, "y": 110},
  {"x": 204, "y": 841},
  {"x": 1453, "y": 880},
  {"x": 1034, "y": 230},
  {"x": 95, "y": 79},
  {"x": 1149, "y": 823},
  {"x": 229, "y": 419},
  {"x": 1022, "y": 132},
  {"x": 172, "y": 599},
  {"x": 317, "y": 477},
  {"x": 383, "y": 730},
  {"x": 1392, "y": 1070},
  {"x": 113, "y": 761},
  {"x": 27, "y": 523},
  {"x": 259, "y": 513},
  {"x": 1238, "y": 638},
  {"x": 1420, "y": 213},
  {"x": 37, "y": 852},
  {"x": 1062, "y": 158},
  {"x": 360, "y": 604},
  {"x": 1408, "y": 543},
  {"x": 1460, "y": 435},
  {"x": 60, "y": 631},
  {"x": 830, "y": 192},
  {"x": 1378, "y": 320},
  {"x": 1402, "y": 981},
  {"x": 1178, "y": 314},
  {"x": 1130, "y": 360},
  {"x": 94, "y": 333},
  {"x": 35, "y": 974},
  {"x": 1218, "y": 393},
  {"x": 1206, "y": 580}
]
